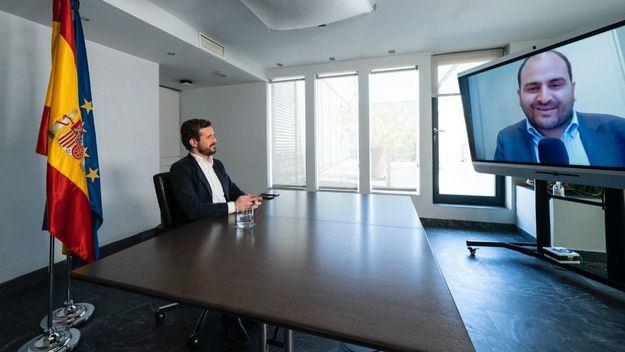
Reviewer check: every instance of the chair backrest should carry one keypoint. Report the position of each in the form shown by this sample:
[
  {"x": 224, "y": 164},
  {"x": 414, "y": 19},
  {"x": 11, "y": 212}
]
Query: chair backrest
[{"x": 171, "y": 214}]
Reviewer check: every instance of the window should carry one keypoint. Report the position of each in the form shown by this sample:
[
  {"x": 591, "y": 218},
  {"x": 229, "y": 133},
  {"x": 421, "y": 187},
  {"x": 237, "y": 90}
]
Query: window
[
  {"x": 337, "y": 131},
  {"x": 394, "y": 116},
  {"x": 288, "y": 147},
  {"x": 455, "y": 180}
]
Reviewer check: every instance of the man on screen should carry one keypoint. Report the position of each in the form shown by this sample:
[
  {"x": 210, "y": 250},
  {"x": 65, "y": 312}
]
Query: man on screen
[{"x": 547, "y": 95}]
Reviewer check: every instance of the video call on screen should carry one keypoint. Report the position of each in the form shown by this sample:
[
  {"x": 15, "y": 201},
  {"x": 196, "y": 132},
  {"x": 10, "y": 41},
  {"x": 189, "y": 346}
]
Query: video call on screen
[{"x": 551, "y": 112}]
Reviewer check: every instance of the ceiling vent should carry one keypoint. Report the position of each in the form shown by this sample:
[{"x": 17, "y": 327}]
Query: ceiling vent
[{"x": 212, "y": 46}]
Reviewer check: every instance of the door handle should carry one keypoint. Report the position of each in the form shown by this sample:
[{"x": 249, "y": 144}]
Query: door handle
[{"x": 435, "y": 132}]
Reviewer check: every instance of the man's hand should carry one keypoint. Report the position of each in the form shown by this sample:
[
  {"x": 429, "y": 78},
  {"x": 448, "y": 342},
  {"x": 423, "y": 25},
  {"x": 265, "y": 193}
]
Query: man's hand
[
  {"x": 247, "y": 201},
  {"x": 257, "y": 199}
]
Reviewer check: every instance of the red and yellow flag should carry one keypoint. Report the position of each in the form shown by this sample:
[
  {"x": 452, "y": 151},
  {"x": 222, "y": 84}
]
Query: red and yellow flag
[{"x": 61, "y": 139}]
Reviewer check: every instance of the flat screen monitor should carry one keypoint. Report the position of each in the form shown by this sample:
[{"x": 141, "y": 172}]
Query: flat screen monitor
[{"x": 554, "y": 112}]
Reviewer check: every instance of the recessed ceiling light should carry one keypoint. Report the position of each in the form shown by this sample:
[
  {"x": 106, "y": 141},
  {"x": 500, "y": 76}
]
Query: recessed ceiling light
[
  {"x": 322, "y": 26},
  {"x": 186, "y": 82},
  {"x": 171, "y": 53},
  {"x": 279, "y": 64},
  {"x": 391, "y": 51},
  {"x": 331, "y": 58}
]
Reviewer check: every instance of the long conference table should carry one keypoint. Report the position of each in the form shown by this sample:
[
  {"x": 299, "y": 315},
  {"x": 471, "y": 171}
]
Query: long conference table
[{"x": 357, "y": 268}]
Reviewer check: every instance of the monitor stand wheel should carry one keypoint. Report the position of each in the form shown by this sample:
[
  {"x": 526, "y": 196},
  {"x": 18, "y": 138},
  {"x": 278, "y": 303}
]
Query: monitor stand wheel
[
  {"x": 193, "y": 342},
  {"x": 159, "y": 318}
]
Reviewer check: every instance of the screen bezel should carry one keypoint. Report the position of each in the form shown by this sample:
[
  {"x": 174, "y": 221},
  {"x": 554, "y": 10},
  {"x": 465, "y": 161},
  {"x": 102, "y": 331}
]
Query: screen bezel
[{"x": 581, "y": 174}]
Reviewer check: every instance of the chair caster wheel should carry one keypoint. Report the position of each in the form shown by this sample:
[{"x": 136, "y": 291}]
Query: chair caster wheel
[
  {"x": 193, "y": 342},
  {"x": 472, "y": 250},
  {"x": 159, "y": 317}
]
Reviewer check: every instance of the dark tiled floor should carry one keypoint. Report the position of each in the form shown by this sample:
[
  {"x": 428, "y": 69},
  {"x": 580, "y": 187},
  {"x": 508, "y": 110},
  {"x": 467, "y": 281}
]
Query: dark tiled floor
[
  {"x": 509, "y": 302},
  {"x": 513, "y": 302}
]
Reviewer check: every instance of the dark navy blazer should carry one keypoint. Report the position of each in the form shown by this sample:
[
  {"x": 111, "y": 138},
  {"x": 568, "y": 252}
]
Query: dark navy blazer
[
  {"x": 193, "y": 192},
  {"x": 603, "y": 138}
]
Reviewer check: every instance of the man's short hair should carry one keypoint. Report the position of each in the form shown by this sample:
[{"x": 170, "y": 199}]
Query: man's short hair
[
  {"x": 560, "y": 55},
  {"x": 191, "y": 129}
]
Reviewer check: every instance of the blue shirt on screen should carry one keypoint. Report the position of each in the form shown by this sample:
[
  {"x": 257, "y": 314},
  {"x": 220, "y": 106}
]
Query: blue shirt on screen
[
  {"x": 571, "y": 139},
  {"x": 590, "y": 139}
]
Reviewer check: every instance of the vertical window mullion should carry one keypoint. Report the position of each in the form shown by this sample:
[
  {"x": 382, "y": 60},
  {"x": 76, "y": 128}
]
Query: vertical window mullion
[{"x": 364, "y": 133}]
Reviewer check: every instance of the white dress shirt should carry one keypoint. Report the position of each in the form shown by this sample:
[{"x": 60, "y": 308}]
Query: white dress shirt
[
  {"x": 206, "y": 164},
  {"x": 570, "y": 138}
]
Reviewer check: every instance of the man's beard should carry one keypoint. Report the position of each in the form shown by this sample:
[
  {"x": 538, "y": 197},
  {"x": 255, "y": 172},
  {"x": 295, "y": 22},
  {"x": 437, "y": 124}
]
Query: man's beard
[
  {"x": 560, "y": 120},
  {"x": 208, "y": 151}
]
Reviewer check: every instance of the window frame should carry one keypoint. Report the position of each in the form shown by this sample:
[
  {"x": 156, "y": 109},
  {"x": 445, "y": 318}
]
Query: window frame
[
  {"x": 395, "y": 190},
  {"x": 317, "y": 78},
  {"x": 270, "y": 135},
  {"x": 499, "y": 199}
]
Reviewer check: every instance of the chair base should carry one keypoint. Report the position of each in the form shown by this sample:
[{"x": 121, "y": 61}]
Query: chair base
[{"x": 193, "y": 340}]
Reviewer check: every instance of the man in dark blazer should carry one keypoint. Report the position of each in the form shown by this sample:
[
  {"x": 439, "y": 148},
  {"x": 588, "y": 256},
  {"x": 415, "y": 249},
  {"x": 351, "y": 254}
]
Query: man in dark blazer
[
  {"x": 547, "y": 95},
  {"x": 603, "y": 138},
  {"x": 192, "y": 176},
  {"x": 202, "y": 188}
]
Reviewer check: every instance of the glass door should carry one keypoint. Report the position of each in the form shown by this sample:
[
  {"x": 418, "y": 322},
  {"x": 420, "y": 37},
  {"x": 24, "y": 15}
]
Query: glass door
[{"x": 455, "y": 180}]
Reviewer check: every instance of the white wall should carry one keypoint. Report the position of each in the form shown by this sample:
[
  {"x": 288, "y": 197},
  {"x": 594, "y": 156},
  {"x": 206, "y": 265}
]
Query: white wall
[
  {"x": 526, "y": 210},
  {"x": 423, "y": 202},
  {"x": 238, "y": 114},
  {"x": 125, "y": 98},
  {"x": 577, "y": 226},
  {"x": 572, "y": 225},
  {"x": 169, "y": 127}
]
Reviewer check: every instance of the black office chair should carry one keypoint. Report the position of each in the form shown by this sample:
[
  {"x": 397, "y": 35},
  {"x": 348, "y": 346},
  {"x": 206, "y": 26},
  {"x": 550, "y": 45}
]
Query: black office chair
[
  {"x": 171, "y": 215},
  {"x": 171, "y": 218}
]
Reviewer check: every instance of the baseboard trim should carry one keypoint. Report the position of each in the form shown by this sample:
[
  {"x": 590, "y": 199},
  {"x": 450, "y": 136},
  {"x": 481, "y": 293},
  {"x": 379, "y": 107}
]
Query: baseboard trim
[
  {"x": 526, "y": 235},
  {"x": 18, "y": 284},
  {"x": 466, "y": 224},
  {"x": 593, "y": 257},
  {"x": 477, "y": 225},
  {"x": 122, "y": 244}
]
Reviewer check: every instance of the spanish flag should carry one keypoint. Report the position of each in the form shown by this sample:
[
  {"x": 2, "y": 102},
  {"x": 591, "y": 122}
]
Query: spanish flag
[{"x": 67, "y": 138}]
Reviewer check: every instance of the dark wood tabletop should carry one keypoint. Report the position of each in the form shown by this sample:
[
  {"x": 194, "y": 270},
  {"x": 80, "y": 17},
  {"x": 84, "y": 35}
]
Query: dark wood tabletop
[{"x": 353, "y": 267}]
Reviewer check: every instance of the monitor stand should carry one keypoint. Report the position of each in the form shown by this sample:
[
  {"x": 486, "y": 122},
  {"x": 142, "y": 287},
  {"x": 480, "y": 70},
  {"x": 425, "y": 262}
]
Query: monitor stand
[{"x": 614, "y": 210}]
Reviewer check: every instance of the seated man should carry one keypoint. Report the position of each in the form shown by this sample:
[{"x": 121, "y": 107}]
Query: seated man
[{"x": 202, "y": 188}]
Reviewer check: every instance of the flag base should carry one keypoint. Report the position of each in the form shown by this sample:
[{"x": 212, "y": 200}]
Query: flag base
[
  {"x": 60, "y": 341},
  {"x": 69, "y": 316}
]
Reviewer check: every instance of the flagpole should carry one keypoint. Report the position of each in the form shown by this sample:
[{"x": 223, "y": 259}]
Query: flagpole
[
  {"x": 48, "y": 329},
  {"x": 71, "y": 314},
  {"x": 61, "y": 123},
  {"x": 52, "y": 339}
]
